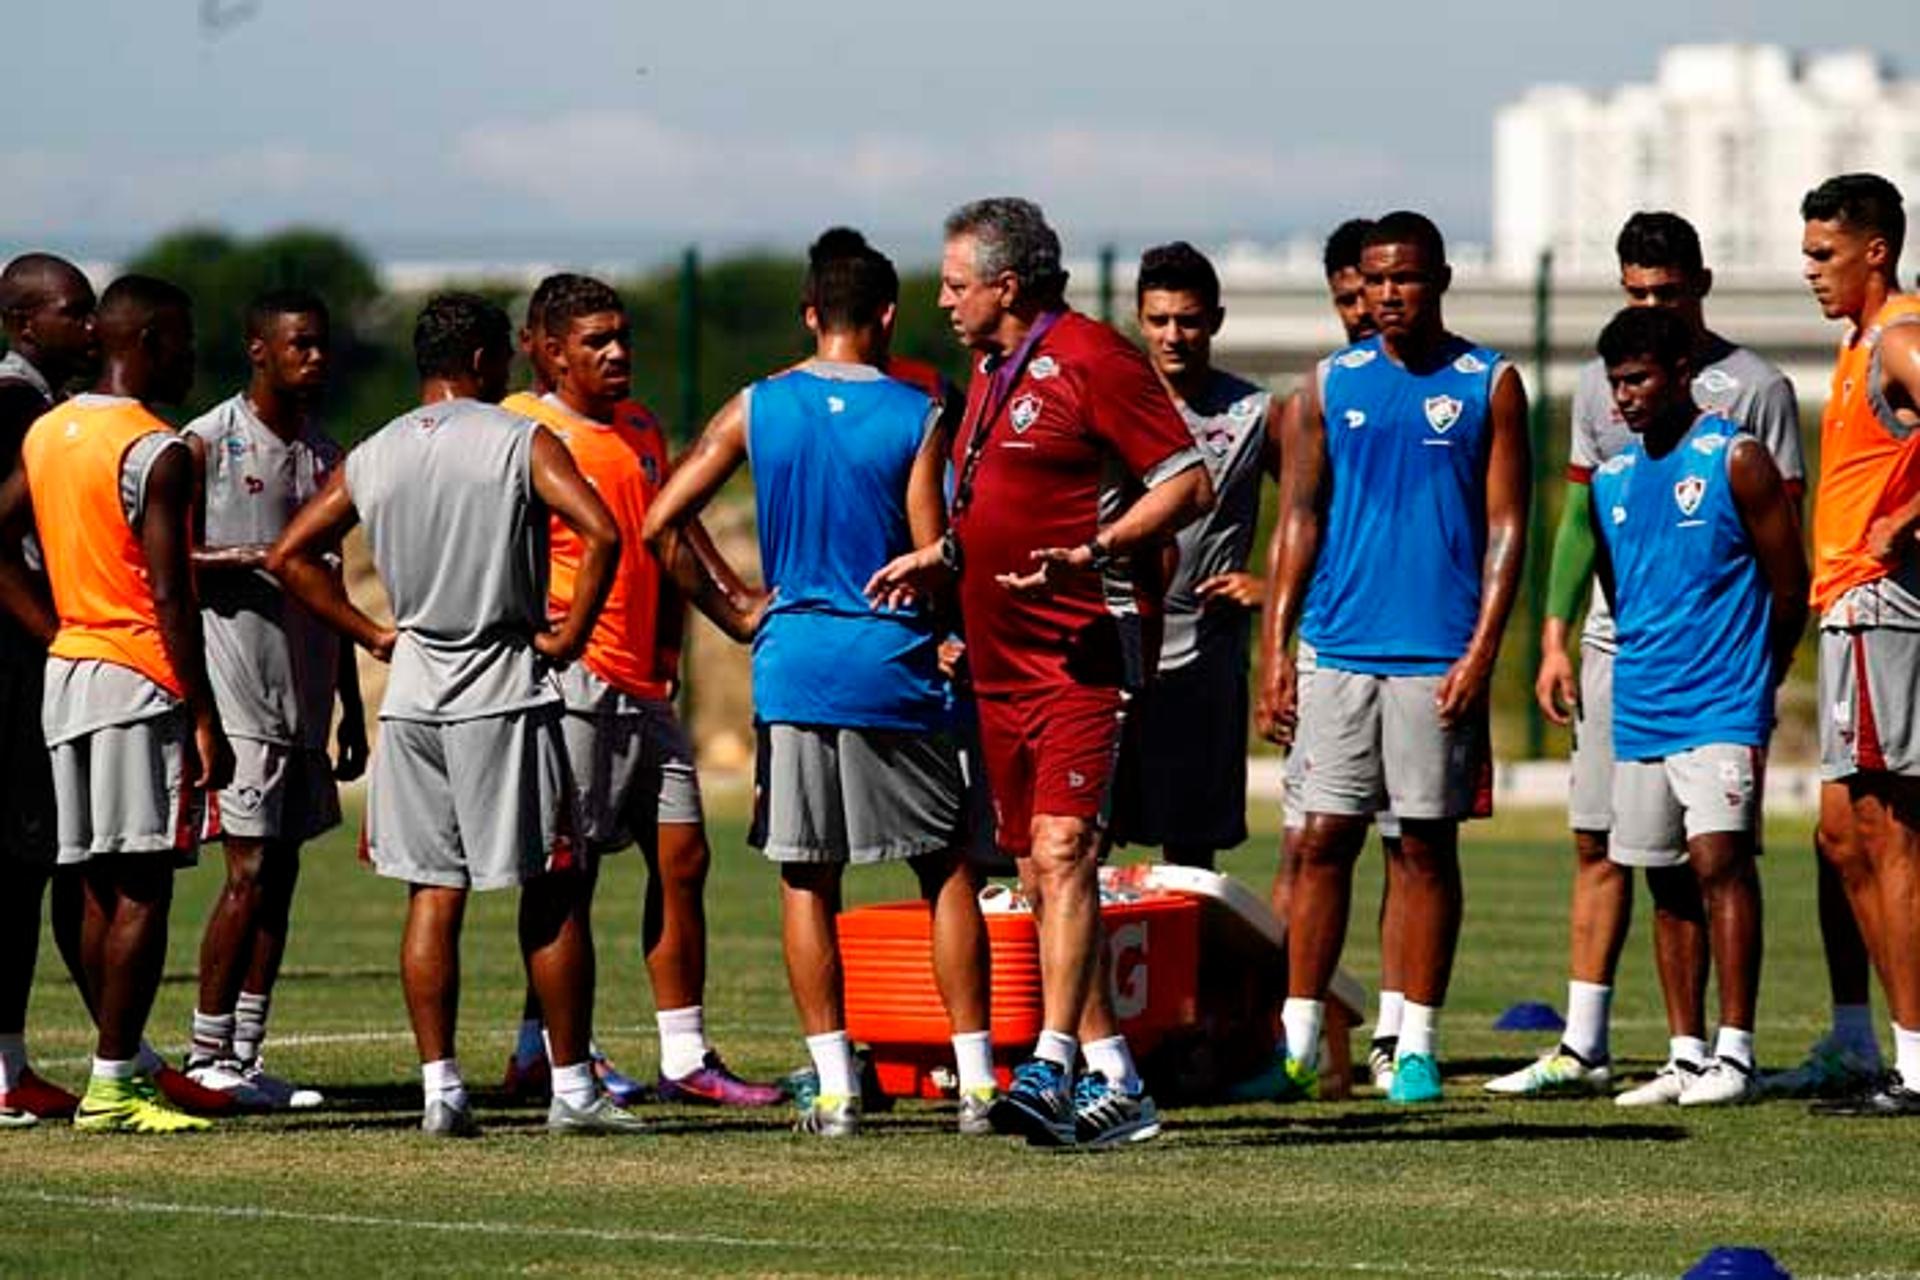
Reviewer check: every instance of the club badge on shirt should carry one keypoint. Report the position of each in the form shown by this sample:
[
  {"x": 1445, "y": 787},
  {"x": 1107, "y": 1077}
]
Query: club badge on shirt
[
  {"x": 1442, "y": 412},
  {"x": 1023, "y": 413},
  {"x": 1687, "y": 494}
]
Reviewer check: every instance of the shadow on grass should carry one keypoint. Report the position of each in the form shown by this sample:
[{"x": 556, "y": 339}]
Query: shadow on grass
[{"x": 1469, "y": 1126}]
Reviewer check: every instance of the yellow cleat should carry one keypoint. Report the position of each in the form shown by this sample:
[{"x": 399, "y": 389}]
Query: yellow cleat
[{"x": 131, "y": 1106}]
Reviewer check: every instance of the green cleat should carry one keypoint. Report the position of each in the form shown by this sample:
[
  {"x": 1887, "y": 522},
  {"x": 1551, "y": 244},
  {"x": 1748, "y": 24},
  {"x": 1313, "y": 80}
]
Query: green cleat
[
  {"x": 1557, "y": 1075},
  {"x": 1416, "y": 1078},
  {"x": 1831, "y": 1070},
  {"x": 133, "y": 1105},
  {"x": 829, "y": 1117},
  {"x": 1284, "y": 1080}
]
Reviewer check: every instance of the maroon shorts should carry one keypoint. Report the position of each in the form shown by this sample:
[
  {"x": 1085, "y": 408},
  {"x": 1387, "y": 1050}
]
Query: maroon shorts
[{"x": 1051, "y": 752}]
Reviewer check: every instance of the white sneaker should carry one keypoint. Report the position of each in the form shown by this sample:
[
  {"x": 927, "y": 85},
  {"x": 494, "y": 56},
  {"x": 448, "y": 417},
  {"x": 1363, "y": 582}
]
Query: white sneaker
[
  {"x": 1724, "y": 1083},
  {"x": 1664, "y": 1089},
  {"x": 1556, "y": 1074},
  {"x": 228, "y": 1077},
  {"x": 280, "y": 1094},
  {"x": 1380, "y": 1063}
]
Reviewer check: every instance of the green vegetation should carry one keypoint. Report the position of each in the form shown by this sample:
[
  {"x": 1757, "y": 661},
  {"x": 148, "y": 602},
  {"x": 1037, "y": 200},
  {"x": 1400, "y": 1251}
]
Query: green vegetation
[{"x": 1544, "y": 1191}]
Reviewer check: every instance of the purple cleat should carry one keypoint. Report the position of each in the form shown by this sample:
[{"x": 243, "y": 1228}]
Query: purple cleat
[
  {"x": 617, "y": 1084},
  {"x": 711, "y": 1084}
]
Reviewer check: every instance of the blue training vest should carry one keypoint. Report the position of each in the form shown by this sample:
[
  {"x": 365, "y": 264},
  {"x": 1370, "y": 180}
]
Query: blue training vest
[
  {"x": 832, "y": 449},
  {"x": 1692, "y": 609},
  {"x": 1396, "y": 586}
]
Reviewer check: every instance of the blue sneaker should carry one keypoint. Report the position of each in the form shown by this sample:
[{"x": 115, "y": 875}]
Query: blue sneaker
[
  {"x": 1039, "y": 1107},
  {"x": 622, "y": 1088},
  {"x": 1104, "y": 1114},
  {"x": 1284, "y": 1080},
  {"x": 1416, "y": 1078}
]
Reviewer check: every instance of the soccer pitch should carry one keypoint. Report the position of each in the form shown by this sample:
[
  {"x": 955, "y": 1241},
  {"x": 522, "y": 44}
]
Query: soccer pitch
[{"x": 1472, "y": 1187}]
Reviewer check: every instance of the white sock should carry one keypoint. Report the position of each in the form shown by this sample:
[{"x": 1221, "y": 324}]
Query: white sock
[
  {"x": 1853, "y": 1028},
  {"x": 1736, "y": 1045},
  {"x": 1112, "y": 1059},
  {"x": 1302, "y": 1020},
  {"x": 683, "y": 1040},
  {"x": 212, "y": 1036},
  {"x": 13, "y": 1059},
  {"x": 440, "y": 1081},
  {"x": 1057, "y": 1048},
  {"x": 973, "y": 1055},
  {"x": 1588, "y": 1005},
  {"x": 1691, "y": 1050},
  {"x": 146, "y": 1062},
  {"x": 833, "y": 1061},
  {"x": 575, "y": 1085},
  {"x": 249, "y": 1024},
  {"x": 1906, "y": 1048},
  {"x": 1386, "y": 1021},
  {"x": 530, "y": 1046},
  {"x": 1417, "y": 1030},
  {"x": 113, "y": 1069}
]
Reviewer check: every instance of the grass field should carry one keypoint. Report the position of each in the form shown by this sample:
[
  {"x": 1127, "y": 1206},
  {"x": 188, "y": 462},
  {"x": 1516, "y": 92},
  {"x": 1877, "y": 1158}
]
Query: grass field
[{"x": 1467, "y": 1188}]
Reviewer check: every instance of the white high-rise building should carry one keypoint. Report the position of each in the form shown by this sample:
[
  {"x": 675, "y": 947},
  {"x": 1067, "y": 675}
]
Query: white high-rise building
[{"x": 1730, "y": 136}]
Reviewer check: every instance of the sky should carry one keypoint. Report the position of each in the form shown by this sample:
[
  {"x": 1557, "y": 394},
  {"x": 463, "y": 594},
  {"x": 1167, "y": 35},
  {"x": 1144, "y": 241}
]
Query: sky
[{"x": 497, "y": 129}]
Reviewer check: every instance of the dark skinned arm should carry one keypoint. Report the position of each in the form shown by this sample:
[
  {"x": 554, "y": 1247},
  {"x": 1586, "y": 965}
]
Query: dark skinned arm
[
  {"x": 1768, "y": 512},
  {"x": 21, "y": 593},
  {"x": 1509, "y": 484},
  {"x": 351, "y": 760},
  {"x": 672, "y": 520},
  {"x": 298, "y": 560},
  {"x": 1297, "y": 547},
  {"x": 559, "y": 484},
  {"x": 165, "y": 526}
]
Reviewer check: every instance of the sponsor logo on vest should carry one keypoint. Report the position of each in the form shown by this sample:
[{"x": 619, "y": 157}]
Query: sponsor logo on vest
[
  {"x": 1023, "y": 414},
  {"x": 836, "y": 405},
  {"x": 1442, "y": 412},
  {"x": 1357, "y": 359},
  {"x": 1717, "y": 382},
  {"x": 1355, "y": 419},
  {"x": 1043, "y": 368},
  {"x": 1687, "y": 494},
  {"x": 1470, "y": 363}
]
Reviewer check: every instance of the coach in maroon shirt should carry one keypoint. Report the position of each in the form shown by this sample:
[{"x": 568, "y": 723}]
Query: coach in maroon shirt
[{"x": 1065, "y": 427}]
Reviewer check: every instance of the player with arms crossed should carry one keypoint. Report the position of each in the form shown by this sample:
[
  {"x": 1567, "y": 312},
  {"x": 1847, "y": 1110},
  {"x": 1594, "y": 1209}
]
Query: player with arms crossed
[
  {"x": 1699, "y": 552},
  {"x": 1404, "y": 533},
  {"x": 470, "y": 787}
]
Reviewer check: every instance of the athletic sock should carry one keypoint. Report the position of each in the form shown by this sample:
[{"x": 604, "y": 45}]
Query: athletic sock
[
  {"x": 1853, "y": 1029},
  {"x": 1588, "y": 1006},
  {"x": 249, "y": 1024},
  {"x": 1114, "y": 1060},
  {"x": 833, "y": 1063},
  {"x": 683, "y": 1040},
  {"x": 441, "y": 1082},
  {"x": 1691, "y": 1050},
  {"x": 973, "y": 1057},
  {"x": 13, "y": 1060},
  {"x": 1057, "y": 1048},
  {"x": 212, "y": 1037},
  {"x": 1418, "y": 1030},
  {"x": 113, "y": 1068},
  {"x": 530, "y": 1046},
  {"x": 1906, "y": 1048},
  {"x": 574, "y": 1085},
  {"x": 1302, "y": 1019},
  {"x": 1733, "y": 1044},
  {"x": 1386, "y": 1020}
]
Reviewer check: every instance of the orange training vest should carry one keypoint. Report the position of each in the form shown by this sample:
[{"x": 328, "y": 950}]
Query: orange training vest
[{"x": 95, "y": 563}]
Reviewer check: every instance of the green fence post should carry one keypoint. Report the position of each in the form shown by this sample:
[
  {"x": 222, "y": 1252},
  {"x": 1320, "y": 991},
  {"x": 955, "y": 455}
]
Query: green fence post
[
  {"x": 1539, "y": 557},
  {"x": 689, "y": 343},
  {"x": 1107, "y": 255}
]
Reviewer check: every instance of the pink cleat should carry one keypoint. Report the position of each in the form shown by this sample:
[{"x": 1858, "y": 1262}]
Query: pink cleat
[{"x": 711, "y": 1084}]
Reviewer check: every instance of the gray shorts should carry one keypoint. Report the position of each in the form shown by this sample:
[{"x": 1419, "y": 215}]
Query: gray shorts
[
  {"x": 1182, "y": 776},
  {"x": 28, "y": 826},
  {"x": 478, "y": 804},
  {"x": 123, "y": 789},
  {"x": 1372, "y": 742},
  {"x": 635, "y": 771},
  {"x": 281, "y": 793},
  {"x": 1590, "y": 799},
  {"x": 826, "y": 794},
  {"x": 1658, "y": 805},
  {"x": 1869, "y": 698}
]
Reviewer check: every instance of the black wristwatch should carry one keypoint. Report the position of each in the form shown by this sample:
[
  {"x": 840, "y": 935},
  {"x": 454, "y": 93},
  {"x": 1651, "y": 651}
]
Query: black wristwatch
[
  {"x": 1100, "y": 556},
  {"x": 950, "y": 551}
]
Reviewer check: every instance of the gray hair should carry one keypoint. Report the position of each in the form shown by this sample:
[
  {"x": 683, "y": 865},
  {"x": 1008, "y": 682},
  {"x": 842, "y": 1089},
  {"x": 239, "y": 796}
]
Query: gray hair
[{"x": 1011, "y": 234}]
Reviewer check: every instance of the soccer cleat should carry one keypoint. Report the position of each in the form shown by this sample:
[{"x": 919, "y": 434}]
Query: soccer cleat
[
  {"x": 617, "y": 1084},
  {"x": 601, "y": 1116},
  {"x": 14, "y": 1119},
  {"x": 1284, "y": 1080},
  {"x": 37, "y": 1097},
  {"x": 1380, "y": 1061},
  {"x": 444, "y": 1120},
  {"x": 1725, "y": 1082},
  {"x": 1559, "y": 1074},
  {"x": 1104, "y": 1114},
  {"x": 1890, "y": 1096},
  {"x": 281, "y": 1095},
  {"x": 226, "y": 1077},
  {"x": 133, "y": 1105},
  {"x": 1039, "y": 1107},
  {"x": 828, "y": 1116},
  {"x": 1664, "y": 1089},
  {"x": 527, "y": 1081},
  {"x": 711, "y": 1084},
  {"x": 1416, "y": 1078},
  {"x": 976, "y": 1106},
  {"x": 803, "y": 1086},
  {"x": 193, "y": 1098},
  {"x": 1831, "y": 1070}
]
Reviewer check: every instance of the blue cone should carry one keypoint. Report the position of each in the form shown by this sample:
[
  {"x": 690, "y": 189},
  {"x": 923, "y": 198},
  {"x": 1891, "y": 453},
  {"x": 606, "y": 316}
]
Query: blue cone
[
  {"x": 1729, "y": 1262},
  {"x": 1530, "y": 1015}
]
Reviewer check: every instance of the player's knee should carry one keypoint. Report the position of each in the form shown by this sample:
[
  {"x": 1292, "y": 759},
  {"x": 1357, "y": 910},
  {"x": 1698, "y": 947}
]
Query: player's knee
[{"x": 684, "y": 863}]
